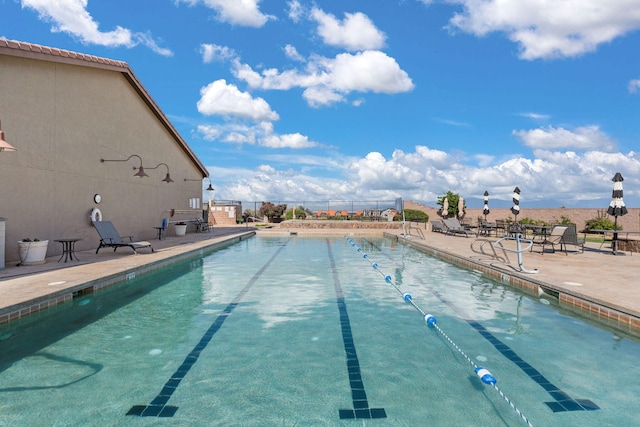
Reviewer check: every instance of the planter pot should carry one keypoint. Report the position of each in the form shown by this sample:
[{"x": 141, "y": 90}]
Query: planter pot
[
  {"x": 181, "y": 229},
  {"x": 32, "y": 253}
]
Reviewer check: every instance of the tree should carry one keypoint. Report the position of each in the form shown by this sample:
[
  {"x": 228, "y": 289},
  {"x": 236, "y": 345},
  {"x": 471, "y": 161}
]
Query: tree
[
  {"x": 272, "y": 211},
  {"x": 453, "y": 199}
]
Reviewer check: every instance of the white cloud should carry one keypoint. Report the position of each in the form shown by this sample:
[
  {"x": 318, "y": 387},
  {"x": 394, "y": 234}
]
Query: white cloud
[
  {"x": 536, "y": 116},
  {"x": 214, "y": 52},
  {"x": 236, "y": 12},
  {"x": 220, "y": 98},
  {"x": 261, "y": 134},
  {"x": 329, "y": 80},
  {"x": 292, "y": 140},
  {"x": 564, "y": 177},
  {"x": 292, "y": 53},
  {"x": 72, "y": 17},
  {"x": 634, "y": 86},
  {"x": 209, "y": 133},
  {"x": 550, "y": 29},
  {"x": 582, "y": 138},
  {"x": 295, "y": 10},
  {"x": 355, "y": 32},
  {"x": 452, "y": 122}
]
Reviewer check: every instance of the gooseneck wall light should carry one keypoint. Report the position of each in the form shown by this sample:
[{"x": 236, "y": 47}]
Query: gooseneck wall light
[
  {"x": 167, "y": 178},
  {"x": 140, "y": 168},
  {"x": 4, "y": 145},
  {"x": 209, "y": 188}
]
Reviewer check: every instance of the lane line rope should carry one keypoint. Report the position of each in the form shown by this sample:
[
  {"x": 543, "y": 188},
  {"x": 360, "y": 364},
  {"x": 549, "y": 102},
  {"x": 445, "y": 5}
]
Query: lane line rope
[{"x": 484, "y": 374}]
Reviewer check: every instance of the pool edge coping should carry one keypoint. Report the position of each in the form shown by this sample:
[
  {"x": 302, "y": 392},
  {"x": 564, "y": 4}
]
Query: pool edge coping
[{"x": 57, "y": 297}]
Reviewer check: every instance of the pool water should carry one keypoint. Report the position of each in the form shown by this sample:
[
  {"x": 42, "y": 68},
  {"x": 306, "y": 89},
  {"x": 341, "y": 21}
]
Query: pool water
[{"x": 293, "y": 331}]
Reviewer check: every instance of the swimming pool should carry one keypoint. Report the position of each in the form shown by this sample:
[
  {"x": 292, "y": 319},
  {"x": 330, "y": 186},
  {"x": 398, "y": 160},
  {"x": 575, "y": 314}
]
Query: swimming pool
[{"x": 303, "y": 331}]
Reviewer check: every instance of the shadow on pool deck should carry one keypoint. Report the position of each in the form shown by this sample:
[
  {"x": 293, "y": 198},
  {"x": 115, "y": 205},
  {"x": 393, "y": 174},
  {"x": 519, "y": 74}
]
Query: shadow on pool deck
[{"x": 602, "y": 286}]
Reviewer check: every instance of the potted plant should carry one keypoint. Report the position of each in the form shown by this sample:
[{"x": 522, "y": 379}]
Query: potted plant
[
  {"x": 181, "y": 228},
  {"x": 32, "y": 251}
]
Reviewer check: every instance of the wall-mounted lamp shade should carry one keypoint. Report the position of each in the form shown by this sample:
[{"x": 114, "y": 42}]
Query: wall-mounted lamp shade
[
  {"x": 209, "y": 188},
  {"x": 167, "y": 178},
  {"x": 140, "y": 172},
  {"x": 4, "y": 145},
  {"x": 140, "y": 168}
]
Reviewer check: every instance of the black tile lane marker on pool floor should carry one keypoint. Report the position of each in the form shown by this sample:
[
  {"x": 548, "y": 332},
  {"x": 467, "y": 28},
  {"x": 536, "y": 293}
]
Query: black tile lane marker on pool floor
[
  {"x": 361, "y": 409},
  {"x": 563, "y": 402},
  {"x": 158, "y": 406}
]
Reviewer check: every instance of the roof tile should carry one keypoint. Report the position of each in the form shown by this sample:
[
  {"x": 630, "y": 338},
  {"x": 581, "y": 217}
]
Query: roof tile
[{"x": 14, "y": 44}]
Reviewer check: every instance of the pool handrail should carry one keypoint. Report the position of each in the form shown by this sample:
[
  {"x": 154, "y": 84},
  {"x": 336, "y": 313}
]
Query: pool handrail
[{"x": 518, "y": 238}]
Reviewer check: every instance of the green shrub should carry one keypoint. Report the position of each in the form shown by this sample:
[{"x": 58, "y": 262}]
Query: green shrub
[
  {"x": 601, "y": 223},
  {"x": 563, "y": 220},
  {"x": 529, "y": 221},
  {"x": 300, "y": 214},
  {"x": 414, "y": 215}
]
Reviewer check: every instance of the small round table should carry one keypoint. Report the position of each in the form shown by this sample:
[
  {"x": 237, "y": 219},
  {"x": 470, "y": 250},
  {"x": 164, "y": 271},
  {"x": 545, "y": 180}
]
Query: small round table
[{"x": 68, "y": 249}]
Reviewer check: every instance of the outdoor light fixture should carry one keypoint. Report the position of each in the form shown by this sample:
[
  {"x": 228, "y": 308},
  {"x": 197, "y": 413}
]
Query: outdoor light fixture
[
  {"x": 167, "y": 178},
  {"x": 4, "y": 145},
  {"x": 209, "y": 188},
  {"x": 140, "y": 172}
]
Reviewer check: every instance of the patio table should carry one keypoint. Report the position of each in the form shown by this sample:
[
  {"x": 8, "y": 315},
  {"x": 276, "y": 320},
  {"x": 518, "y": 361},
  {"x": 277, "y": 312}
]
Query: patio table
[
  {"x": 614, "y": 238},
  {"x": 539, "y": 232},
  {"x": 487, "y": 229},
  {"x": 68, "y": 249}
]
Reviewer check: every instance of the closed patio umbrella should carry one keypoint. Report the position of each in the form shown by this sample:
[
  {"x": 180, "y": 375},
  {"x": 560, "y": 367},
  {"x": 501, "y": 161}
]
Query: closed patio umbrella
[
  {"x": 486, "y": 210},
  {"x": 616, "y": 209},
  {"x": 460, "y": 208},
  {"x": 445, "y": 207},
  {"x": 515, "y": 210}
]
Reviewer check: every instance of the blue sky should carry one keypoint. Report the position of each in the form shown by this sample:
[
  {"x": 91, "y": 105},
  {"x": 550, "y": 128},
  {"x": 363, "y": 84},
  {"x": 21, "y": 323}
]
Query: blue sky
[{"x": 373, "y": 100}]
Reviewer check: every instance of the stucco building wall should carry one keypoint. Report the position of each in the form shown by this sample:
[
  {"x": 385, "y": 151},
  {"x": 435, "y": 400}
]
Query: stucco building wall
[{"x": 63, "y": 117}]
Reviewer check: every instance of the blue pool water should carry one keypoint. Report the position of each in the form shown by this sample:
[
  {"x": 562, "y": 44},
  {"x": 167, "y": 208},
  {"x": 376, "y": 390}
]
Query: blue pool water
[{"x": 295, "y": 331}]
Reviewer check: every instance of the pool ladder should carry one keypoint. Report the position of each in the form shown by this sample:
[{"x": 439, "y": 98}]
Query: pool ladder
[
  {"x": 498, "y": 252},
  {"x": 406, "y": 232}
]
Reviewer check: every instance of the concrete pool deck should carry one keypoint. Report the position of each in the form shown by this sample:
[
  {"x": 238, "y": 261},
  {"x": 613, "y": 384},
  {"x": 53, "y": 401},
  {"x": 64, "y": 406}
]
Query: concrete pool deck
[{"x": 595, "y": 283}]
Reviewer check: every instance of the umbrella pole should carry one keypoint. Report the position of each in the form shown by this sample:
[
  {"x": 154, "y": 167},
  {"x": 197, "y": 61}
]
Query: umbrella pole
[{"x": 614, "y": 242}]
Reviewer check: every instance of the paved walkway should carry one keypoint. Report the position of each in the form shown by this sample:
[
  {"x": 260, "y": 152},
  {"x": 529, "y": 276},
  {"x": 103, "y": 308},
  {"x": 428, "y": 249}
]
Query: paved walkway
[
  {"x": 28, "y": 289},
  {"x": 605, "y": 285}
]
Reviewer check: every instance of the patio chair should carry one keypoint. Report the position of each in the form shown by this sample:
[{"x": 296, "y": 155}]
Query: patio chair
[
  {"x": 437, "y": 226},
  {"x": 570, "y": 237},
  {"x": 201, "y": 225},
  {"x": 110, "y": 238},
  {"x": 453, "y": 226},
  {"x": 554, "y": 238},
  {"x": 160, "y": 230}
]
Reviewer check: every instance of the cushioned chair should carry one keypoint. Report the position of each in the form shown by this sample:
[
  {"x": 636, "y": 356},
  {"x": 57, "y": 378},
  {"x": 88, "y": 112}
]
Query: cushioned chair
[
  {"x": 110, "y": 238},
  {"x": 553, "y": 239}
]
